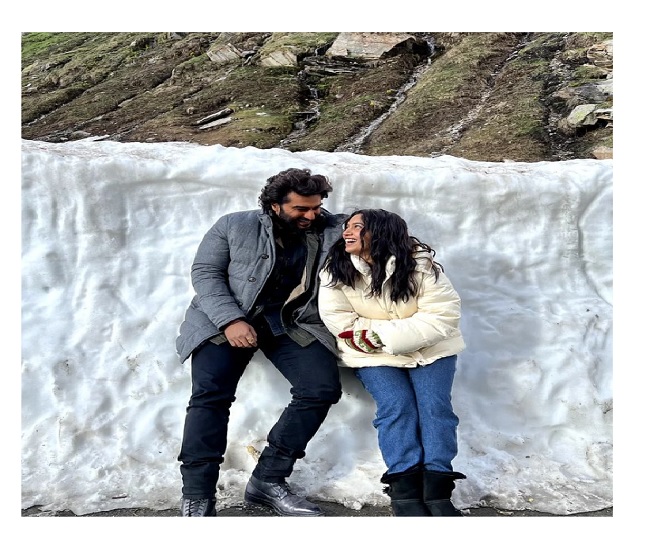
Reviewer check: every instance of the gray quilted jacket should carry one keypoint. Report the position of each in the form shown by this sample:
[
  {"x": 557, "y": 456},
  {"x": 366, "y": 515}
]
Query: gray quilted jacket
[{"x": 232, "y": 264}]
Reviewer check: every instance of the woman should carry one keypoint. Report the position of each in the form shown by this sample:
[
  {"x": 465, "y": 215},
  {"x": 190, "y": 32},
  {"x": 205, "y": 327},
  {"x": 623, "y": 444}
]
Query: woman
[{"x": 397, "y": 317}]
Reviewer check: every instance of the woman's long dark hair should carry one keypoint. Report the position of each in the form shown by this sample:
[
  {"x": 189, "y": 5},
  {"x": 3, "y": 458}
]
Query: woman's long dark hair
[{"x": 389, "y": 235}]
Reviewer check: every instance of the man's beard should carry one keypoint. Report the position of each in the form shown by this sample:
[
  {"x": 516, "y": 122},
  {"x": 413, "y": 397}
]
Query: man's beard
[{"x": 293, "y": 225}]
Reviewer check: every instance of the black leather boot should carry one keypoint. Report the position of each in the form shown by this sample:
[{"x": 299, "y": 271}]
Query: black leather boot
[
  {"x": 405, "y": 490},
  {"x": 279, "y": 498},
  {"x": 198, "y": 507},
  {"x": 437, "y": 492}
]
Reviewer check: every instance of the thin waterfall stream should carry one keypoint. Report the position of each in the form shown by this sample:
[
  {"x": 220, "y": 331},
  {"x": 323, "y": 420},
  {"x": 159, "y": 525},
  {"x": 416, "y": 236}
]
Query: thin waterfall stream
[{"x": 354, "y": 145}]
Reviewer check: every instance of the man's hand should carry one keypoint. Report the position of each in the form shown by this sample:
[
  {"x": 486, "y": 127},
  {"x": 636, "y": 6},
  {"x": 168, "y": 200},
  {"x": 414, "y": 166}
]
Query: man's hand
[
  {"x": 241, "y": 334},
  {"x": 365, "y": 341}
]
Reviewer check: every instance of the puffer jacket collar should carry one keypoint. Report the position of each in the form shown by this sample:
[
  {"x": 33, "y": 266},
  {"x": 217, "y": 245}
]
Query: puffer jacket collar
[
  {"x": 364, "y": 268},
  {"x": 422, "y": 258}
]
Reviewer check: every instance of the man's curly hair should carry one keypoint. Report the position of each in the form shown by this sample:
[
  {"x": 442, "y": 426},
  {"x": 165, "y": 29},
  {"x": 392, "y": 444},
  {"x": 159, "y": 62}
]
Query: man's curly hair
[{"x": 300, "y": 181}]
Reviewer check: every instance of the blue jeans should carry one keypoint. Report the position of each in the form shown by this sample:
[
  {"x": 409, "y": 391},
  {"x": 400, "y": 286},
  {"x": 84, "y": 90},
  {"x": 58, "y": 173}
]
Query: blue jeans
[
  {"x": 415, "y": 422},
  {"x": 216, "y": 371}
]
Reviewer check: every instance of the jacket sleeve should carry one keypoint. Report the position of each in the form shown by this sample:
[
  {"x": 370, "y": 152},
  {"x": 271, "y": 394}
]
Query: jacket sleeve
[
  {"x": 436, "y": 319},
  {"x": 210, "y": 276},
  {"x": 335, "y": 309}
]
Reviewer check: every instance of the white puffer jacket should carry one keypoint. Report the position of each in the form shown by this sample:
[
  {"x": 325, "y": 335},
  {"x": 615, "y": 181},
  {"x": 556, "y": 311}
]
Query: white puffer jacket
[{"x": 414, "y": 333}]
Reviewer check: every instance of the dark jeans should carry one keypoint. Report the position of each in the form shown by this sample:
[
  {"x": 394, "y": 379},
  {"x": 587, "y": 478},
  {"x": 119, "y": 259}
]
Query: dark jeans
[{"x": 313, "y": 374}]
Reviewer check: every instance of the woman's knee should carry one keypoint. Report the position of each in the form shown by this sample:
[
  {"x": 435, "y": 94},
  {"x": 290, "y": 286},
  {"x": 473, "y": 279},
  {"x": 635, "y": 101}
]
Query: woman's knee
[{"x": 395, "y": 412}]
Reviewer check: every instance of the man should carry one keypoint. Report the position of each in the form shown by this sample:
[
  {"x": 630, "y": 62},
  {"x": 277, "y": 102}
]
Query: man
[{"x": 255, "y": 276}]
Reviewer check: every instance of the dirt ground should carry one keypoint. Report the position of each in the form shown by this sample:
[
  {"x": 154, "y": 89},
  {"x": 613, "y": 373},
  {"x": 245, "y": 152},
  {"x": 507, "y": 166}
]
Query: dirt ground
[{"x": 331, "y": 510}]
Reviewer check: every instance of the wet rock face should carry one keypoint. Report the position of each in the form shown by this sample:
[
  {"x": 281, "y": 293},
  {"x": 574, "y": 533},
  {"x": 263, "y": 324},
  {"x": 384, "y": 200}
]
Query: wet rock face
[{"x": 481, "y": 96}]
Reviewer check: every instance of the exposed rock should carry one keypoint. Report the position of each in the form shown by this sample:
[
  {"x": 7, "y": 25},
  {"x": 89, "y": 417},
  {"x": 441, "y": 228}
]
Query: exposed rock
[
  {"x": 604, "y": 114},
  {"x": 582, "y": 115},
  {"x": 370, "y": 45},
  {"x": 602, "y": 54},
  {"x": 142, "y": 43},
  {"x": 75, "y": 135},
  {"x": 281, "y": 57},
  {"x": 288, "y": 49},
  {"x": 220, "y": 114},
  {"x": 588, "y": 115},
  {"x": 224, "y": 54},
  {"x": 216, "y": 123},
  {"x": 603, "y": 152}
]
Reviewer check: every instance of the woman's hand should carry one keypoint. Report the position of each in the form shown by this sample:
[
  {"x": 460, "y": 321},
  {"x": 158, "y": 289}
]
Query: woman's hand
[{"x": 365, "y": 341}]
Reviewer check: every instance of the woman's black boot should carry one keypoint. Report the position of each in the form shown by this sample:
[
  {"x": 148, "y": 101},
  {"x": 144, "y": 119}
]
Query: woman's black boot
[
  {"x": 405, "y": 490},
  {"x": 437, "y": 492}
]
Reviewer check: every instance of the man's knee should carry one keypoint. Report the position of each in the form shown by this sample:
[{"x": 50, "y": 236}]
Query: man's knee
[
  {"x": 329, "y": 389},
  {"x": 320, "y": 389},
  {"x": 320, "y": 393},
  {"x": 333, "y": 395}
]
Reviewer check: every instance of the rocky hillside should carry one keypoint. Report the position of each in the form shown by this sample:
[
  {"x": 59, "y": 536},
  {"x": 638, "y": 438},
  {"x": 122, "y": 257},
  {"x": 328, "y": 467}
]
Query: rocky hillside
[{"x": 480, "y": 96}]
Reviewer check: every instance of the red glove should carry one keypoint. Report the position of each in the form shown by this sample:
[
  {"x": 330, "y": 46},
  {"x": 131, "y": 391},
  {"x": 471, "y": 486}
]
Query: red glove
[{"x": 365, "y": 341}]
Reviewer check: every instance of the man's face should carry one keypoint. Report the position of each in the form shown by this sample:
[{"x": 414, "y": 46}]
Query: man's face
[{"x": 299, "y": 212}]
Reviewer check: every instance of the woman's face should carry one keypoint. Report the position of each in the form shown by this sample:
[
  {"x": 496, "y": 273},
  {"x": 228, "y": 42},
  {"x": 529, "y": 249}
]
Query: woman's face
[{"x": 357, "y": 241}]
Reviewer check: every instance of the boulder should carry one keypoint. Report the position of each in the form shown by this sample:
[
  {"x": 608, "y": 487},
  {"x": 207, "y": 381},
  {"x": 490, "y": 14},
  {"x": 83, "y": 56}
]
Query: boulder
[
  {"x": 602, "y": 54},
  {"x": 369, "y": 45},
  {"x": 224, "y": 54},
  {"x": 582, "y": 115},
  {"x": 286, "y": 56}
]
